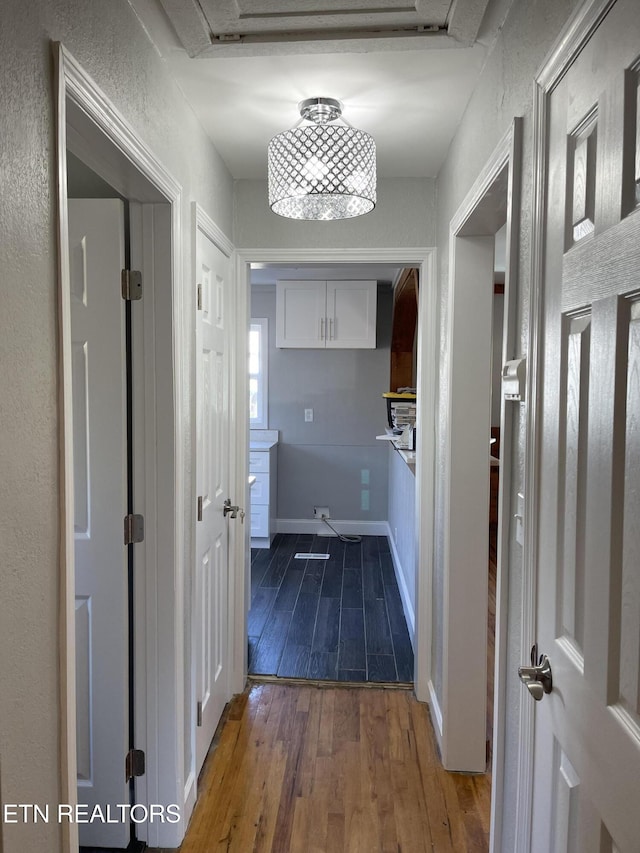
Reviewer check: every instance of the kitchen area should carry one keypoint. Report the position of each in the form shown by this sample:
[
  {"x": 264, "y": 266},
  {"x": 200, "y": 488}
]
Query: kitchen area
[{"x": 321, "y": 357}]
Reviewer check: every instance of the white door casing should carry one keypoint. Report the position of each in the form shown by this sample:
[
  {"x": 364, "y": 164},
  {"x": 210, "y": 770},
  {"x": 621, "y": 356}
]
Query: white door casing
[
  {"x": 89, "y": 124},
  {"x": 211, "y": 586},
  {"x": 96, "y": 249},
  {"x": 586, "y": 536}
]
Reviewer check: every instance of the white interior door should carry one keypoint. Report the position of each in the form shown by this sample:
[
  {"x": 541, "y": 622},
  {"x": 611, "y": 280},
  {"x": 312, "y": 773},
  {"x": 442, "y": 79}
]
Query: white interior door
[
  {"x": 211, "y": 587},
  {"x": 587, "y": 736},
  {"x": 96, "y": 245}
]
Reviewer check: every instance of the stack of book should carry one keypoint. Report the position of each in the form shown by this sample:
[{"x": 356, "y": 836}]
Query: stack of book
[
  {"x": 401, "y": 408},
  {"x": 403, "y": 413}
]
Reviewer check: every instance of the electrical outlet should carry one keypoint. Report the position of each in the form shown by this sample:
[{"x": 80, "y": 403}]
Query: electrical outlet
[
  {"x": 321, "y": 512},
  {"x": 308, "y": 415}
]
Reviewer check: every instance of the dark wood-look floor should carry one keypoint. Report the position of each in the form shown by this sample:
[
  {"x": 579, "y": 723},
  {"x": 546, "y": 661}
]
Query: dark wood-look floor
[
  {"x": 339, "y": 619},
  {"x": 325, "y": 769}
]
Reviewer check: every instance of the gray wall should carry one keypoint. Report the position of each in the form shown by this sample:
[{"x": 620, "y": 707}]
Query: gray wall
[
  {"x": 107, "y": 40},
  {"x": 404, "y": 216},
  {"x": 321, "y": 463},
  {"x": 504, "y": 90}
]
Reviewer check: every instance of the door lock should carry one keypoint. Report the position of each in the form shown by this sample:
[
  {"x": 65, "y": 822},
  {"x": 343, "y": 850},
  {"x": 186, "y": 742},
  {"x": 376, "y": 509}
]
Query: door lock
[
  {"x": 537, "y": 677},
  {"x": 230, "y": 509}
]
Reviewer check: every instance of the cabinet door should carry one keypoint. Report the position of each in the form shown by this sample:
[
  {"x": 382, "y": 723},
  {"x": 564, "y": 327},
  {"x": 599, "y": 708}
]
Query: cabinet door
[
  {"x": 300, "y": 314},
  {"x": 351, "y": 314}
]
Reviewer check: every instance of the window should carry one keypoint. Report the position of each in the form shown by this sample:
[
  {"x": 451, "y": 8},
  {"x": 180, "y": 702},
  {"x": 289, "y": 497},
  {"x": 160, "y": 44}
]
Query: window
[{"x": 258, "y": 386}]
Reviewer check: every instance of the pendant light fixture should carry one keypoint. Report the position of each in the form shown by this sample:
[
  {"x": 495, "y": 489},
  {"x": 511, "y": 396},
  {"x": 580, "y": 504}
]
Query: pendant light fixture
[{"x": 323, "y": 168}]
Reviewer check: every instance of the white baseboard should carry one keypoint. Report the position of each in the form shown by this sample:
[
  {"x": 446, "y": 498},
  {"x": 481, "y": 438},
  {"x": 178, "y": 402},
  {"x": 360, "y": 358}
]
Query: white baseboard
[
  {"x": 312, "y": 525},
  {"x": 404, "y": 592},
  {"x": 436, "y": 714}
]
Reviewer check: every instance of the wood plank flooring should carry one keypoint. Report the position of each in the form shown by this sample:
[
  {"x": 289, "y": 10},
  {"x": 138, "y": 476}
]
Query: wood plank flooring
[
  {"x": 339, "y": 619},
  {"x": 324, "y": 769}
]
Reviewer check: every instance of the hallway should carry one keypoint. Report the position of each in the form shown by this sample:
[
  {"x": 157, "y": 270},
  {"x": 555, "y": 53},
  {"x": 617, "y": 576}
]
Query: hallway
[{"x": 324, "y": 769}]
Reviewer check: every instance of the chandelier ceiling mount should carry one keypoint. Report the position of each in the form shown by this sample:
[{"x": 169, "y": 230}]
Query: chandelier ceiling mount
[{"x": 323, "y": 168}]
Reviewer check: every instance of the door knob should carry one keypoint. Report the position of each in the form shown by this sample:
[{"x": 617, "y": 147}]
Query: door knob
[
  {"x": 230, "y": 509},
  {"x": 537, "y": 677}
]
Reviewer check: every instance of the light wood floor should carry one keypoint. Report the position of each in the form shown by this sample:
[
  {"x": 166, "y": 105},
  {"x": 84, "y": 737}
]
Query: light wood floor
[{"x": 321, "y": 769}]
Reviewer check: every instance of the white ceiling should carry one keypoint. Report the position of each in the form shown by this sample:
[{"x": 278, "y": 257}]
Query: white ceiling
[{"x": 409, "y": 93}]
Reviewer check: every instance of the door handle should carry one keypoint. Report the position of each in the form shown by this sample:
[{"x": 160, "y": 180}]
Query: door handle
[
  {"x": 230, "y": 509},
  {"x": 537, "y": 677}
]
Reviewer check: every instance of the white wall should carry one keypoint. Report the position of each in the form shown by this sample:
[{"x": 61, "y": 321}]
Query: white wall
[
  {"x": 402, "y": 527},
  {"x": 107, "y": 40},
  {"x": 504, "y": 90},
  {"x": 404, "y": 216}
]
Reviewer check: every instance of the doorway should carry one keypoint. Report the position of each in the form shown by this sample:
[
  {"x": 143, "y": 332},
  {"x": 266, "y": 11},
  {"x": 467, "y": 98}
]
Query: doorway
[
  {"x": 94, "y": 132},
  {"x": 424, "y": 260},
  {"x": 103, "y": 495},
  {"x": 460, "y": 693},
  {"x": 325, "y": 603}
]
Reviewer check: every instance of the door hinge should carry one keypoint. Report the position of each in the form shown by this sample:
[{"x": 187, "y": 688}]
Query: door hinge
[
  {"x": 199, "y": 297},
  {"x": 199, "y": 714},
  {"x": 199, "y": 507},
  {"x": 133, "y": 529},
  {"x": 131, "y": 285},
  {"x": 134, "y": 764}
]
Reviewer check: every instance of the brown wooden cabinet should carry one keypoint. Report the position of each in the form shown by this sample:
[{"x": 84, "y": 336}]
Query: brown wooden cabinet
[{"x": 403, "y": 331}]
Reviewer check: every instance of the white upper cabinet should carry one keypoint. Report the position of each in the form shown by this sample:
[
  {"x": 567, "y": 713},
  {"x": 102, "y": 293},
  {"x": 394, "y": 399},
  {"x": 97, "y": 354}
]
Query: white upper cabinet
[{"x": 326, "y": 314}]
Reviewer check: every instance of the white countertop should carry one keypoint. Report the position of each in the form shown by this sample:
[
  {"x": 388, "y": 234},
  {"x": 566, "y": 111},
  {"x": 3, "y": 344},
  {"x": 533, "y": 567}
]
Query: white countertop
[{"x": 262, "y": 445}]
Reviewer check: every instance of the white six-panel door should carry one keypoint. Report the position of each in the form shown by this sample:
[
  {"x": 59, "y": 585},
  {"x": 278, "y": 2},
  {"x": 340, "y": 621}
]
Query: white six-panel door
[
  {"x": 96, "y": 246},
  {"x": 211, "y": 586},
  {"x": 587, "y": 735}
]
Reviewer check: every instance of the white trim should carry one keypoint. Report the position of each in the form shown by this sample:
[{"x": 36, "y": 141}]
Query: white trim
[
  {"x": 68, "y": 755},
  {"x": 319, "y": 528},
  {"x": 436, "y": 713},
  {"x": 407, "y": 607},
  {"x": 205, "y": 223},
  {"x": 424, "y": 258},
  {"x": 454, "y": 755},
  {"x": 162, "y": 639},
  {"x": 510, "y": 344},
  {"x": 240, "y": 535},
  {"x": 427, "y": 383},
  {"x": 483, "y": 183},
  {"x": 577, "y": 32}
]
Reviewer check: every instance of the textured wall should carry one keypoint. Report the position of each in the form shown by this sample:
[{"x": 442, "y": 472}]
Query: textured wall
[
  {"x": 106, "y": 39},
  {"x": 320, "y": 463},
  {"x": 404, "y": 216},
  {"x": 504, "y": 90}
]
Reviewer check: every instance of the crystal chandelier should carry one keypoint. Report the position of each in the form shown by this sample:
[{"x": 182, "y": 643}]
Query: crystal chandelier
[{"x": 322, "y": 169}]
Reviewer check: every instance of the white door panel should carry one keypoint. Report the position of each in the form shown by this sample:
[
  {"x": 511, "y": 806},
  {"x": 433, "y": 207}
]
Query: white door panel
[
  {"x": 351, "y": 314},
  {"x": 587, "y": 759},
  {"x": 96, "y": 244},
  {"x": 212, "y": 483}
]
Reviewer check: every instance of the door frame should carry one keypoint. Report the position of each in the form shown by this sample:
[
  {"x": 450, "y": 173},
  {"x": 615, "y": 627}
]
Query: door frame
[
  {"x": 577, "y": 32},
  {"x": 424, "y": 258},
  {"x": 158, "y": 602},
  {"x": 477, "y": 219}
]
